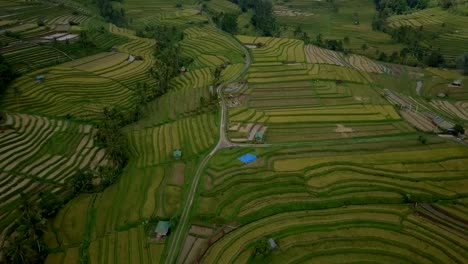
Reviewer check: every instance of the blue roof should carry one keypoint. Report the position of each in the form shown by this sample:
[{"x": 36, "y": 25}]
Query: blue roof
[
  {"x": 247, "y": 158},
  {"x": 163, "y": 227}
]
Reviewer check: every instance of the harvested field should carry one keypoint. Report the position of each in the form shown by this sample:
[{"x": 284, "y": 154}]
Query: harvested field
[
  {"x": 457, "y": 110},
  {"x": 419, "y": 121}
]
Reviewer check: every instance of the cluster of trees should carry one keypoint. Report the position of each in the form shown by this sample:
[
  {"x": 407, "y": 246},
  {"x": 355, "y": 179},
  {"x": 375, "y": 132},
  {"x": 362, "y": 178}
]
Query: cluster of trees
[
  {"x": 463, "y": 63},
  {"x": 226, "y": 21},
  {"x": 110, "y": 136},
  {"x": 112, "y": 15},
  {"x": 399, "y": 6},
  {"x": 446, "y": 4},
  {"x": 7, "y": 74},
  {"x": 168, "y": 57},
  {"x": 332, "y": 44},
  {"x": 25, "y": 244},
  {"x": 263, "y": 19}
]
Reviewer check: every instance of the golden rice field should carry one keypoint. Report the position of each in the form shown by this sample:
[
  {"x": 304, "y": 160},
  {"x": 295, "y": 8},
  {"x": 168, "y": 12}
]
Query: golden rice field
[
  {"x": 326, "y": 203},
  {"x": 102, "y": 80}
]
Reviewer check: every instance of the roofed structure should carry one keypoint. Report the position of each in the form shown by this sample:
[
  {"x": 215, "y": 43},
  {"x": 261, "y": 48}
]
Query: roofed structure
[
  {"x": 177, "y": 154},
  {"x": 162, "y": 229},
  {"x": 247, "y": 158},
  {"x": 272, "y": 243},
  {"x": 259, "y": 136},
  {"x": 40, "y": 78}
]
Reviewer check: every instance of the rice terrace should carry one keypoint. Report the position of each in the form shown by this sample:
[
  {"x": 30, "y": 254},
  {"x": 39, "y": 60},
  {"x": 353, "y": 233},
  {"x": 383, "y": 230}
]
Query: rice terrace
[{"x": 233, "y": 131}]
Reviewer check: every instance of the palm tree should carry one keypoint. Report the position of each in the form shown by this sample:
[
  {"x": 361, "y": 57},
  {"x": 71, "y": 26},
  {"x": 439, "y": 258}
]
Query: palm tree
[{"x": 19, "y": 250}]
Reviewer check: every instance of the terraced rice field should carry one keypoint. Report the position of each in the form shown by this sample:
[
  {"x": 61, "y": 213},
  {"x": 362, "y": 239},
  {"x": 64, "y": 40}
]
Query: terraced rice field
[
  {"x": 285, "y": 194},
  {"x": 457, "y": 109},
  {"x": 324, "y": 56},
  {"x": 360, "y": 233},
  {"x": 192, "y": 135},
  {"x": 114, "y": 218},
  {"x": 82, "y": 88},
  {"x": 275, "y": 49},
  {"x": 329, "y": 97},
  {"x": 39, "y": 154},
  {"x": 210, "y": 48},
  {"x": 151, "y": 186},
  {"x": 448, "y": 28},
  {"x": 336, "y": 23},
  {"x": 26, "y": 59}
]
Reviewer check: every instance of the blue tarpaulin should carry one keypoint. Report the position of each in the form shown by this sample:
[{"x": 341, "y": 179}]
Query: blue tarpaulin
[{"x": 247, "y": 158}]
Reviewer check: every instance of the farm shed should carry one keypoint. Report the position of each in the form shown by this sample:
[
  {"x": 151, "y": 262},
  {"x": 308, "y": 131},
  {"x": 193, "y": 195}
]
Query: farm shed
[
  {"x": 40, "y": 78},
  {"x": 177, "y": 154},
  {"x": 259, "y": 136},
  {"x": 272, "y": 243},
  {"x": 247, "y": 158},
  {"x": 162, "y": 229},
  {"x": 457, "y": 83},
  {"x": 131, "y": 58}
]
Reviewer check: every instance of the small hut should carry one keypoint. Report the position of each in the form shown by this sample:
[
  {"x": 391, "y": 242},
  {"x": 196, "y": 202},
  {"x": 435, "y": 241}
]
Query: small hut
[
  {"x": 457, "y": 83},
  {"x": 162, "y": 229},
  {"x": 272, "y": 243},
  {"x": 139, "y": 58},
  {"x": 114, "y": 49},
  {"x": 177, "y": 154},
  {"x": 131, "y": 58},
  {"x": 40, "y": 78},
  {"x": 259, "y": 137}
]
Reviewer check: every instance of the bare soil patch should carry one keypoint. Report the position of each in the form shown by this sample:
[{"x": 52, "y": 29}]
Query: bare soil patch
[
  {"x": 202, "y": 231},
  {"x": 419, "y": 121},
  {"x": 343, "y": 130},
  {"x": 178, "y": 176}
]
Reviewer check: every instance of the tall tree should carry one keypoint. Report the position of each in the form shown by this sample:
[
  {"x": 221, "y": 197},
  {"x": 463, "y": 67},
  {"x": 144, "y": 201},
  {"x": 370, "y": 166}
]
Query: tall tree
[
  {"x": 7, "y": 74},
  {"x": 264, "y": 18}
]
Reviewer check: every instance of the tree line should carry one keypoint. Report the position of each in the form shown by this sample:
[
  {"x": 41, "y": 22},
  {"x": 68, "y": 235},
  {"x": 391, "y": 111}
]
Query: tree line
[
  {"x": 168, "y": 55},
  {"x": 263, "y": 19},
  {"x": 108, "y": 12}
]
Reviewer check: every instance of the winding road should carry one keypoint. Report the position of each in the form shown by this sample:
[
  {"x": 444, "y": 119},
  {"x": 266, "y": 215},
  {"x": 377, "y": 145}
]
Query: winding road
[{"x": 223, "y": 142}]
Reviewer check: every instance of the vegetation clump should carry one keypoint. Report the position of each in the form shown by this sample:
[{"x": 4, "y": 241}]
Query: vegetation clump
[{"x": 7, "y": 74}]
